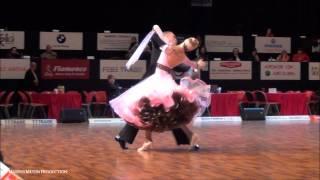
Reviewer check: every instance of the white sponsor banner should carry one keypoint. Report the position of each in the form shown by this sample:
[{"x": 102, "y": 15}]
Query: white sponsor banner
[
  {"x": 9, "y": 39},
  {"x": 62, "y": 40},
  {"x": 13, "y": 68},
  {"x": 280, "y": 71},
  {"x": 118, "y": 69},
  {"x": 314, "y": 71},
  {"x": 273, "y": 44},
  {"x": 114, "y": 41},
  {"x": 230, "y": 70},
  {"x": 223, "y": 43}
]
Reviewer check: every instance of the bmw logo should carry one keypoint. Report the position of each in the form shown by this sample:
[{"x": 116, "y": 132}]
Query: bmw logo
[{"x": 61, "y": 38}]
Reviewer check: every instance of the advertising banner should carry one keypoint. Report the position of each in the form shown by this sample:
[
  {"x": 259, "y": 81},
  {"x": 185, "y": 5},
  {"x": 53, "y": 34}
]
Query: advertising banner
[
  {"x": 223, "y": 43},
  {"x": 280, "y": 71},
  {"x": 62, "y": 40},
  {"x": 118, "y": 69},
  {"x": 9, "y": 39},
  {"x": 230, "y": 70},
  {"x": 114, "y": 41},
  {"x": 65, "y": 69}
]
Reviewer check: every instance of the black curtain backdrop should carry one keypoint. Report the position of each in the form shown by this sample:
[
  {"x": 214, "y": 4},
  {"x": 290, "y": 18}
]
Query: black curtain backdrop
[
  {"x": 285, "y": 17},
  {"x": 225, "y": 17}
]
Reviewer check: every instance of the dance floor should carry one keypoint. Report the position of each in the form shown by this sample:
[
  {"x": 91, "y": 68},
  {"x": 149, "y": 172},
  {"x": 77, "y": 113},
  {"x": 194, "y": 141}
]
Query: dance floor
[{"x": 247, "y": 150}]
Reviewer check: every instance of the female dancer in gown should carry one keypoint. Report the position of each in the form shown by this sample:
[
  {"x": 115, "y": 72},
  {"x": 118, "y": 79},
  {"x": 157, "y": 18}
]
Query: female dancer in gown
[{"x": 158, "y": 103}]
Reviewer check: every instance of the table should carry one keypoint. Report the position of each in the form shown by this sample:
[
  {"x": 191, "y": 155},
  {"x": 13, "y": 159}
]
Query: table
[
  {"x": 291, "y": 103},
  {"x": 56, "y": 102},
  {"x": 226, "y": 104}
]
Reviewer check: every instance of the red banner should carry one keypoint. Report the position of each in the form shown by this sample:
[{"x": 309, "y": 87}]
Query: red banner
[{"x": 65, "y": 69}]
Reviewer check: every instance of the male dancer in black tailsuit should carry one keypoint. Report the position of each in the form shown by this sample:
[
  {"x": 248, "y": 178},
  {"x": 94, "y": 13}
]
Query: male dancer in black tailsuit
[{"x": 182, "y": 135}]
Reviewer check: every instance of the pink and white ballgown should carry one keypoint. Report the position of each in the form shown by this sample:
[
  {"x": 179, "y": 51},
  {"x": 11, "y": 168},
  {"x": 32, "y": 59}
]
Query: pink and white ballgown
[{"x": 159, "y": 97}]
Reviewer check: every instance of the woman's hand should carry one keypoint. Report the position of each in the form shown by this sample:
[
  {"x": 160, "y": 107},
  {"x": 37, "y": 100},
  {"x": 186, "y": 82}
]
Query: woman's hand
[
  {"x": 156, "y": 28},
  {"x": 201, "y": 64}
]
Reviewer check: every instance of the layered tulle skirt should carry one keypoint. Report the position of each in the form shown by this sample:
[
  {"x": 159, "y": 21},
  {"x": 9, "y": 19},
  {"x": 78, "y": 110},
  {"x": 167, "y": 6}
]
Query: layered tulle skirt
[{"x": 158, "y": 103}]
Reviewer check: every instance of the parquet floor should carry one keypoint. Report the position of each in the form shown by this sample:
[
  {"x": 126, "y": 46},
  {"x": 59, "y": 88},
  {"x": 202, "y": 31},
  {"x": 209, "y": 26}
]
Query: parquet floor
[{"x": 251, "y": 150}]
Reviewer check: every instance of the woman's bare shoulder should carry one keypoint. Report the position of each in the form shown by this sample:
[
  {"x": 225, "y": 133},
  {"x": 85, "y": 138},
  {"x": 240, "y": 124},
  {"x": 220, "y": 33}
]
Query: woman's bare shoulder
[
  {"x": 177, "y": 49},
  {"x": 170, "y": 49}
]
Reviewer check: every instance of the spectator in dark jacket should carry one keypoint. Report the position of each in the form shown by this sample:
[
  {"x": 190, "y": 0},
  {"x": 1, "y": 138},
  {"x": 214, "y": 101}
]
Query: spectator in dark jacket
[
  {"x": 13, "y": 53},
  {"x": 113, "y": 88},
  {"x": 31, "y": 80}
]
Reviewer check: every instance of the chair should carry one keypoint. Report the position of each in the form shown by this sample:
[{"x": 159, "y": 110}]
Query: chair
[
  {"x": 313, "y": 102},
  {"x": 23, "y": 105},
  {"x": 99, "y": 103},
  {"x": 101, "y": 96},
  {"x": 34, "y": 107},
  {"x": 5, "y": 103},
  {"x": 108, "y": 109},
  {"x": 262, "y": 101},
  {"x": 249, "y": 101},
  {"x": 86, "y": 102}
]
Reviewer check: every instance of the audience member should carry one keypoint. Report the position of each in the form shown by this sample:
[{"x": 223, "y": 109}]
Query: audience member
[
  {"x": 300, "y": 56},
  {"x": 269, "y": 33},
  {"x": 13, "y": 53},
  {"x": 283, "y": 56},
  {"x": 235, "y": 55},
  {"x": 113, "y": 88},
  {"x": 31, "y": 80},
  {"x": 49, "y": 54},
  {"x": 254, "y": 56}
]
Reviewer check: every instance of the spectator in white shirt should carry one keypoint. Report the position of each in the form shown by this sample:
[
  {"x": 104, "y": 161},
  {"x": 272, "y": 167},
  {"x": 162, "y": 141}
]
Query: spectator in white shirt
[
  {"x": 49, "y": 54},
  {"x": 235, "y": 55}
]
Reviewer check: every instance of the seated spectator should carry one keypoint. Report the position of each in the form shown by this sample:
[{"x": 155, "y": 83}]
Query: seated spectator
[
  {"x": 254, "y": 56},
  {"x": 283, "y": 56},
  {"x": 49, "y": 54},
  {"x": 235, "y": 55},
  {"x": 113, "y": 89},
  {"x": 300, "y": 56},
  {"x": 269, "y": 33},
  {"x": 13, "y": 53}
]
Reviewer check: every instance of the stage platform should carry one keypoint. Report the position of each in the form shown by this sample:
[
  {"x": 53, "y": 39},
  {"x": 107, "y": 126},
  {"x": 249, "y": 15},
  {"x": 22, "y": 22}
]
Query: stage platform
[{"x": 277, "y": 148}]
